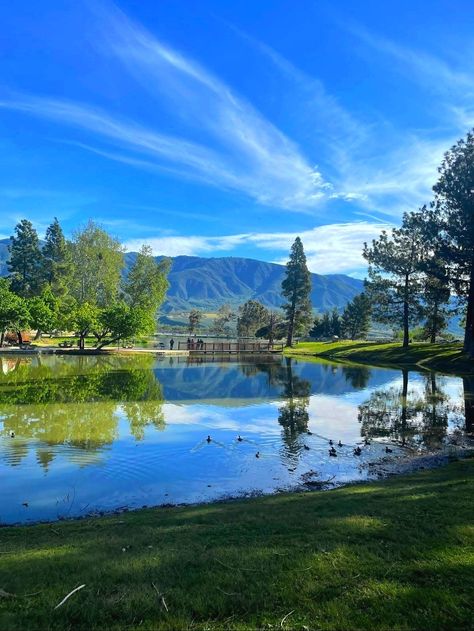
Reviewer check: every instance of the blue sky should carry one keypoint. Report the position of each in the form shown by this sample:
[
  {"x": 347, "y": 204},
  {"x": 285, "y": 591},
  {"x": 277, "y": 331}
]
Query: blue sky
[{"x": 227, "y": 128}]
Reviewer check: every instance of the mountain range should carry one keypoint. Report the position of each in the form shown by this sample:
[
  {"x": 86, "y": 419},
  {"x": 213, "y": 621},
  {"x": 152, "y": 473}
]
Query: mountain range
[{"x": 208, "y": 283}]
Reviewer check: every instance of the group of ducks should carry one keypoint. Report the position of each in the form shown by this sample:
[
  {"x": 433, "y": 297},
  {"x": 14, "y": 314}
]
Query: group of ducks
[{"x": 332, "y": 451}]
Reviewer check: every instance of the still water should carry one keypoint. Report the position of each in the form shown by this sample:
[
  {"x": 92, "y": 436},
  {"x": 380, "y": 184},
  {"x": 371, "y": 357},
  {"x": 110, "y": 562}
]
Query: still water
[{"x": 81, "y": 435}]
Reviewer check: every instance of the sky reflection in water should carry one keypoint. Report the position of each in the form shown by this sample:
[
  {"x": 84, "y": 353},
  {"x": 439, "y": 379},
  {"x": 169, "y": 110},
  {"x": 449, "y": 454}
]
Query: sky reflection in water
[{"x": 86, "y": 434}]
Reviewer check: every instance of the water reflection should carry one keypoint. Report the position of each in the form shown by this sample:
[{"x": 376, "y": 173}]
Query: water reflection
[
  {"x": 131, "y": 430},
  {"x": 417, "y": 415}
]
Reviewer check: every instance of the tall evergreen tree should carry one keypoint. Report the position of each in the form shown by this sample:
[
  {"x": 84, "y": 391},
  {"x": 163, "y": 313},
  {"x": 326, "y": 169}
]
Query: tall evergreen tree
[
  {"x": 356, "y": 317},
  {"x": 24, "y": 264},
  {"x": 436, "y": 294},
  {"x": 296, "y": 288},
  {"x": 454, "y": 204},
  {"x": 252, "y": 315},
  {"x": 56, "y": 259},
  {"x": 395, "y": 273}
]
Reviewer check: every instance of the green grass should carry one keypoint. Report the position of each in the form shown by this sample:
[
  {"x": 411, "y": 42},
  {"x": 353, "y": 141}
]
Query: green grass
[
  {"x": 443, "y": 357},
  {"x": 396, "y": 554}
]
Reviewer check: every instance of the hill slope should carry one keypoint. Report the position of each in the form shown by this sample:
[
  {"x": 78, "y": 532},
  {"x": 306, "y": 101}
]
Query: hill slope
[{"x": 207, "y": 283}]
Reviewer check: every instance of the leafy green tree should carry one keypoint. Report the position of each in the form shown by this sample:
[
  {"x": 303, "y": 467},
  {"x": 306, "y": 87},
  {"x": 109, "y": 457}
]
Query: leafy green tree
[
  {"x": 275, "y": 328},
  {"x": 97, "y": 266},
  {"x": 44, "y": 310},
  {"x": 120, "y": 322},
  {"x": 85, "y": 319},
  {"x": 356, "y": 317},
  {"x": 395, "y": 274},
  {"x": 296, "y": 288},
  {"x": 194, "y": 318},
  {"x": 147, "y": 284},
  {"x": 252, "y": 315},
  {"x": 13, "y": 313},
  {"x": 223, "y": 320},
  {"x": 454, "y": 207},
  {"x": 24, "y": 264},
  {"x": 56, "y": 259}
]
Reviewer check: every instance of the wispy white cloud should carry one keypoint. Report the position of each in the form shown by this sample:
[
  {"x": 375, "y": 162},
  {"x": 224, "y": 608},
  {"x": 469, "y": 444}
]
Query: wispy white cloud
[
  {"x": 330, "y": 249},
  {"x": 238, "y": 148},
  {"x": 436, "y": 74}
]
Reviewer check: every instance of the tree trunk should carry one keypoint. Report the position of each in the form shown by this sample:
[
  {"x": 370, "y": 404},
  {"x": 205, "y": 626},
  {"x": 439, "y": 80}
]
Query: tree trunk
[
  {"x": 20, "y": 338},
  {"x": 469, "y": 330},
  {"x": 468, "y": 383},
  {"x": 404, "y": 410},
  {"x": 435, "y": 319},
  {"x": 2, "y": 338},
  {"x": 38, "y": 334},
  {"x": 406, "y": 330},
  {"x": 291, "y": 324}
]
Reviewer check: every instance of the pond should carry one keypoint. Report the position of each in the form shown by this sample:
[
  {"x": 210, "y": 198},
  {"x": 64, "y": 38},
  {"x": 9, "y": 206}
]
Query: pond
[{"x": 86, "y": 435}]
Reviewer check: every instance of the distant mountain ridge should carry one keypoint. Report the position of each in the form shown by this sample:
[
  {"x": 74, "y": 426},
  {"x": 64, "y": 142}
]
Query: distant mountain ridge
[{"x": 208, "y": 283}]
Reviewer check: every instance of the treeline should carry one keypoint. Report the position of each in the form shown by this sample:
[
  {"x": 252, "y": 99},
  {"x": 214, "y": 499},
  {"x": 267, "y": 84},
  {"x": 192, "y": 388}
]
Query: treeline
[
  {"x": 79, "y": 285},
  {"x": 414, "y": 272}
]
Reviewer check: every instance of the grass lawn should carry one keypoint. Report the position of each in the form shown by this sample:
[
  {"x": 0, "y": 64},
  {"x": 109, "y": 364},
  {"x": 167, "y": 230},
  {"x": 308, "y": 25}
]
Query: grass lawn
[
  {"x": 444, "y": 357},
  {"x": 396, "y": 554}
]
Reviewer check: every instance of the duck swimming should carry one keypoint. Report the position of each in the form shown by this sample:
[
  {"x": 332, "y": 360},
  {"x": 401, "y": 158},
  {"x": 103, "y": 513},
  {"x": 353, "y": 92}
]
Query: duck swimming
[
  {"x": 339, "y": 444},
  {"x": 333, "y": 452},
  {"x": 257, "y": 455},
  {"x": 366, "y": 441},
  {"x": 357, "y": 451},
  {"x": 12, "y": 434},
  {"x": 331, "y": 443},
  {"x": 387, "y": 450},
  {"x": 208, "y": 439},
  {"x": 239, "y": 438},
  {"x": 306, "y": 447}
]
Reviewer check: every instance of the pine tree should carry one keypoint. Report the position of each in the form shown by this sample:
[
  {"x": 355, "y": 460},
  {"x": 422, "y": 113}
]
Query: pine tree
[
  {"x": 296, "y": 288},
  {"x": 454, "y": 204},
  {"x": 56, "y": 259},
  {"x": 25, "y": 260},
  {"x": 395, "y": 274},
  {"x": 356, "y": 317}
]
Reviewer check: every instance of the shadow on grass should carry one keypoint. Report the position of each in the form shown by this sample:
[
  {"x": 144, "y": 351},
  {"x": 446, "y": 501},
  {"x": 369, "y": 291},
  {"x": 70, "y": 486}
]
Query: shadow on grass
[{"x": 394, "y": 556}]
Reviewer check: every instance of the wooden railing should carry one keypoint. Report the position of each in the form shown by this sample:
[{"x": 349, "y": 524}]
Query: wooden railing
[{"x": 229, "y": 347}]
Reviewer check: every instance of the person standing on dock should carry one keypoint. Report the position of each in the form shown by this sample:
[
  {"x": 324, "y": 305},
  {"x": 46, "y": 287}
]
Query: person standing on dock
[{"x": 171, "y": 344}]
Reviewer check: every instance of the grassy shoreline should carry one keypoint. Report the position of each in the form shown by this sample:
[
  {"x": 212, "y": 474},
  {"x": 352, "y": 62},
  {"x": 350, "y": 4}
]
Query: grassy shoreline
[
  {"x": 447, "y": 358},
  {"x": 391, "y": 554}
]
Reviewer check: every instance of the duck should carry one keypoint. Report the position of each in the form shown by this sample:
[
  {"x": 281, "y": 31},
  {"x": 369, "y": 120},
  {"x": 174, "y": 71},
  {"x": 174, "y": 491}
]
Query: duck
[
  {"x": 306, "y": 447},
  {"x": 208, "y": 439},
  {"x": 333, "y": 452},
  {"x": 257, "y": 455},
  {"x": 331, "y": 443},
  {"x": 239, "y": 438},
  {"x": 12, "y": 434},
  {"x": 357, "y": 451},
  {"x": 388, "y": 451},
  {"x": 366, "y": 441},
  {"x": 309, "y": 432},
  {"x": 339, "y": 444}
]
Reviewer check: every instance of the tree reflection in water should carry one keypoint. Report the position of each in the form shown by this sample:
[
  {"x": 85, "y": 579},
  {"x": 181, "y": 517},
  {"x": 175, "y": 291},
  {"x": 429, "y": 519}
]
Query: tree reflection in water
[
  {"x": 75, "y": 404},
  {"x": 293, "y": 415},
  {"x": 414, "y": 417}
]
